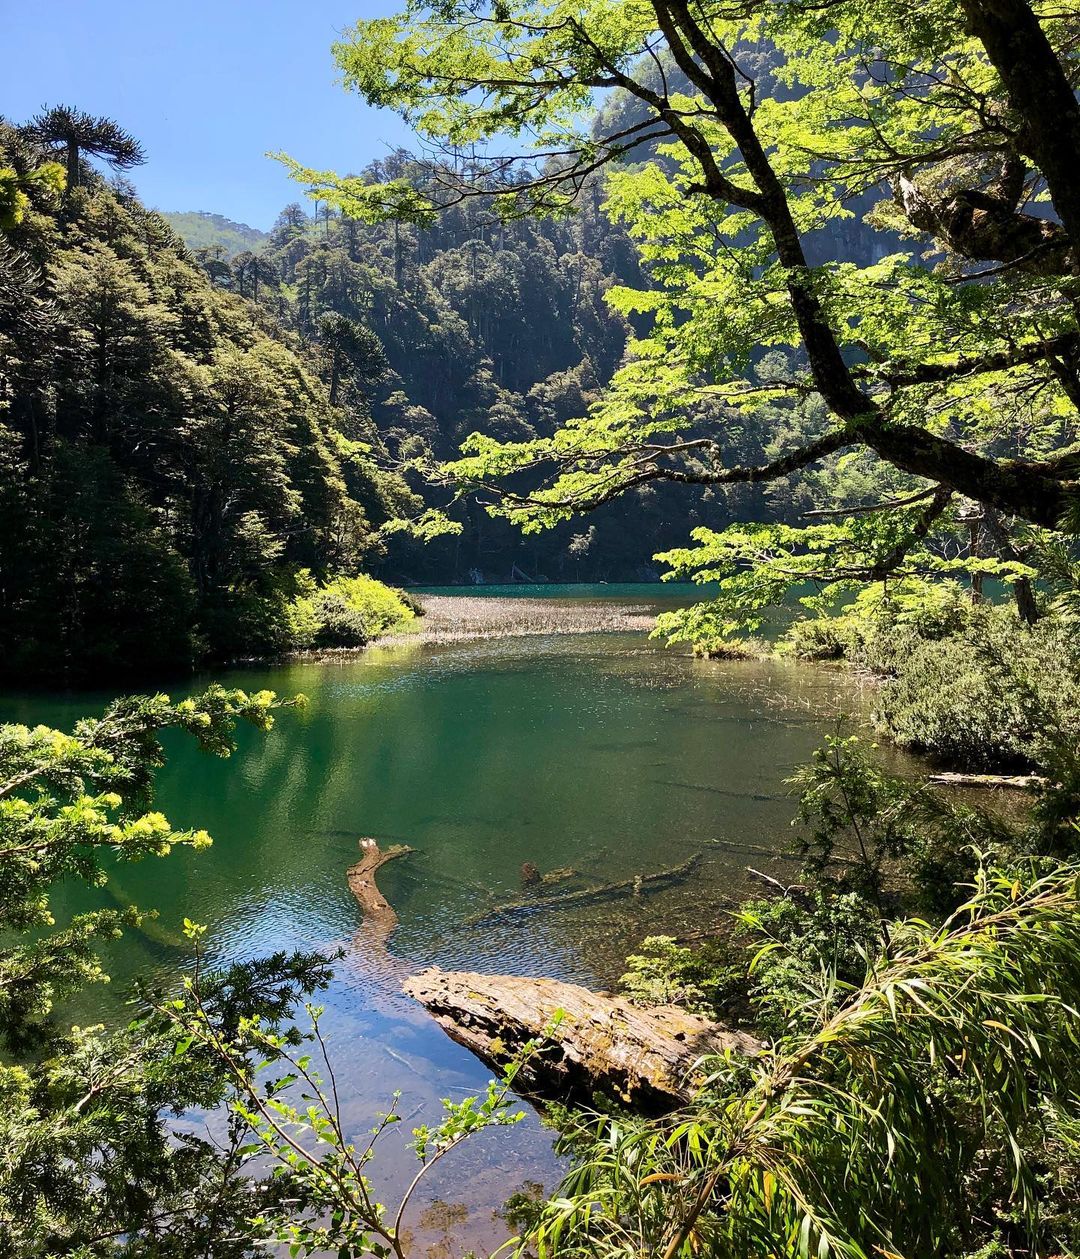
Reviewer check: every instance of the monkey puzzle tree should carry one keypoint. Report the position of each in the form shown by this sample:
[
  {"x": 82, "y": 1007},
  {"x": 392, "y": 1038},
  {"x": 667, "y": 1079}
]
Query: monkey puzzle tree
[
  {"x": 351, "y": 349},
  {"x": 78, "y": 132},
  {"x": 754, "y": 125},
  {"x": 249, "y": 268}
]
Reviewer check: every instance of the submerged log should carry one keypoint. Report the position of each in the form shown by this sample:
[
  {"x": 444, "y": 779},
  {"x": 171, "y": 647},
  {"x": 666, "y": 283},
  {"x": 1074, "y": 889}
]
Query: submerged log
[
  {"x": 591, "y": 1042},
  {"x": 379, "y": 916},
  {"x": 639, "y": 885},
  {"x": 1014, "y": 782}
]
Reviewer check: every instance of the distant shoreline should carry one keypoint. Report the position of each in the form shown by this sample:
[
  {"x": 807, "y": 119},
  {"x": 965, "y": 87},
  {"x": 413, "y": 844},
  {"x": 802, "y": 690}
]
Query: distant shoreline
[{"x": 461, "y": 618}]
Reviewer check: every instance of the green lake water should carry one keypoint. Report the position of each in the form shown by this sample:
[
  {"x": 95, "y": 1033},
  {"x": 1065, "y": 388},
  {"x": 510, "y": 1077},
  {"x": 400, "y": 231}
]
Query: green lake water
[{"x": 605, "y": 752}]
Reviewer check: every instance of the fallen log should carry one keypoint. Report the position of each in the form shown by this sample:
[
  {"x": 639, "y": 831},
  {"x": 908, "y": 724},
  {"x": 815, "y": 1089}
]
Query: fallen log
[
  {"x": 1013, "y": 782},
  {"x": 591, "y": 1042},
  {"x": 639, "y": 885},
  {"x": 379, "y": 916}
]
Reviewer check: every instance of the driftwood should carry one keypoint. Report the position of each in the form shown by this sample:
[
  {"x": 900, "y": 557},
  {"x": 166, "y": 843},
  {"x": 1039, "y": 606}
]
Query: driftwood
[
  {"x": 533, "y": 877},
  {"x": 1014, "y": 782},
  {"x": 379, "y": 916},
  {"x": 639, "y": 885},
  {"x": 591, "y": 1042}
]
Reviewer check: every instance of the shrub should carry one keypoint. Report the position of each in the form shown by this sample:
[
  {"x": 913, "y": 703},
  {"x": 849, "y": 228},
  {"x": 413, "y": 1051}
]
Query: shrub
[
  {"x": 668, "y": 973},
  {"x": 346, "y": 612},
  {"x": 997, "y": 695},
  {"x": 730, "y": 649},
  {"x": 878, "y": 614},
  {"x": 819, "y": 638}
]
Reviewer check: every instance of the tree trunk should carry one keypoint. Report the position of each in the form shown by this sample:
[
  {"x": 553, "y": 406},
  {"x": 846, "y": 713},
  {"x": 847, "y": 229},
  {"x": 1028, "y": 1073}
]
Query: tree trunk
[
  {"x": 1039, "y": 92},
  {"x": 1014, "y": 782},
  {"x": 380, "y": 919},
  {"x": 589, "y": 1041}
]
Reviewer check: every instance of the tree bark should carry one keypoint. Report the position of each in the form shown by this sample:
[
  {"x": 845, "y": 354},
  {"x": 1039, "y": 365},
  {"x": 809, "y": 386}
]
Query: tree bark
[
  {"x": 589, "y": 1041},
  {"x": 1014, "y": 782},
  {"x": 1040, "y": 93},
  {"x": 639, "y": 885},
  {"x": 380, "y": 919}
]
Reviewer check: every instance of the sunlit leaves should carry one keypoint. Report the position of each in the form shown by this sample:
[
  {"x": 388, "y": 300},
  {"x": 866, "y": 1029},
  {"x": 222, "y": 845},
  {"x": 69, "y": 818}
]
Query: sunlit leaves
[{"x": 822, "y": 1145}]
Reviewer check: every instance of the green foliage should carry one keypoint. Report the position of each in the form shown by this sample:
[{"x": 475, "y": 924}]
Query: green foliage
[
  {"x": 501, "y": 327},
  {"x": 803, "y": 945},
  {"x": 76, "y": 133},
  {"x": 891, "y": 564},
  {"x": 169, "y": 460},
  {"x": 346, "y": 612},
  {"x": 68, "y": 800},
  {"x": 91, "y": 1166},
  {"x": 993, "y": 696},
  {"x": 968, "y": 685},
  {"x": 14, "y": 197},
  {"x": 667, "y": 973},
  {"x": 857, "y": 1130},
  {"x": 739, "y": 148},
  {"x": 926, "y": 609},
  {"x": 327, "y": 1199},
  {"x": 895, "y": 842}
]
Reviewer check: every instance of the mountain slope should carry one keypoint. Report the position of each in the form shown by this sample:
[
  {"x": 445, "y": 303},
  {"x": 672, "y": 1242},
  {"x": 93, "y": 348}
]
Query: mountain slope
[{"x": 199, "y": 229}]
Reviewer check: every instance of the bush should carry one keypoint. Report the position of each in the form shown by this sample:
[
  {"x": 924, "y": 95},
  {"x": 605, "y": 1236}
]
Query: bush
[
  {"x": 668, "y": 973},
  {"x": 731, "y": 649},
  {"x": 997, "y": 695},
  {"x": 879, "y": 613},
  {"x": 970, "y": 686},
  {"x": 820, "y": 638},
  {"x": 346, "y": 612}
]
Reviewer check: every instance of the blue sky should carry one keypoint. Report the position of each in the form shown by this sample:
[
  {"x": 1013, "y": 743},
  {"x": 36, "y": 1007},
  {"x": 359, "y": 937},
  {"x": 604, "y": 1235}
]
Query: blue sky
[{"x": 207, "y": 87}]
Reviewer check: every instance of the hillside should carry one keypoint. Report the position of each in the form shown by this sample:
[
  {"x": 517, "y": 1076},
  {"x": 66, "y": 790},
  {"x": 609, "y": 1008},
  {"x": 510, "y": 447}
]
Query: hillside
[
  {"x": 500, "y": 328},
  {"x": 200, "y": 229},
  {"x": 172, "y": 466}
]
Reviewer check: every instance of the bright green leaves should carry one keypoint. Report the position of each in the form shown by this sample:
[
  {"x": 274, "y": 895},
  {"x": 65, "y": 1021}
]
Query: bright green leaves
[
  {"x": 17, "y": 190},
  {"x": 840, "y": 106},
  {"x": 879, "y": 1096},
  {"x": 286, "y": 1099},
  {"x": 67, "y": 800},
  {"x": 764, "y": 571},
  {"x": 360, "y": 199}
]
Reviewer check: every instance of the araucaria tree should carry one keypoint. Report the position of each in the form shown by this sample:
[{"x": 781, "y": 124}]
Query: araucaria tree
[
  {"x": 735, "y": 131},
  {"x": 78, "y": 132}
]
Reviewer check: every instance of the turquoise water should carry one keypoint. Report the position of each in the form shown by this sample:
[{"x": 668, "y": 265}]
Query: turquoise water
[{"x": 605, "y": 752}]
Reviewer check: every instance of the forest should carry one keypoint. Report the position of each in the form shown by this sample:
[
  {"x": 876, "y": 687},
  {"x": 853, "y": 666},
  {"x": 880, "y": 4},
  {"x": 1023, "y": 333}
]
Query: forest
[{"x": 731, "y": 913}]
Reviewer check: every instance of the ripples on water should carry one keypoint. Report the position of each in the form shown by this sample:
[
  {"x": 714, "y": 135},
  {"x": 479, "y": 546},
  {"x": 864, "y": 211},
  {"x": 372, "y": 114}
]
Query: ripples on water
[{"x": 602, "y": 752}]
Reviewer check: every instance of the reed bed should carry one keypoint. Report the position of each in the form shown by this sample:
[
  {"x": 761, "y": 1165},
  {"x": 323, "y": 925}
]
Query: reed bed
[{"x": 459, "y": 618}]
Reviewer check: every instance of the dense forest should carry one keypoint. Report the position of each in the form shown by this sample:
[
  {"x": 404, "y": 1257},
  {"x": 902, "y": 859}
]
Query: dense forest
[
  {"x": 785, "y": 291},
  {"x": 496, "y": 326},
  {"x": 173, "y": 458},
  {"x": 500, "y": 328}
]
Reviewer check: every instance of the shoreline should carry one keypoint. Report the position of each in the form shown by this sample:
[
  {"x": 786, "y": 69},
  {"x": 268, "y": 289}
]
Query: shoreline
[{"x": 464, "y": 618}]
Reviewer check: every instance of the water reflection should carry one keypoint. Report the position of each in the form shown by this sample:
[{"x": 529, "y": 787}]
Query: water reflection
[{"x": 602, "y": 752}]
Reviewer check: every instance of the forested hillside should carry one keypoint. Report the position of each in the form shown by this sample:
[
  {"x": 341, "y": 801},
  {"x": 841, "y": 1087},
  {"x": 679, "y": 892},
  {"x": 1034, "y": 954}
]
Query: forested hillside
[
  {"x": 483, "y": 326},
  {"x": 201, "y": 230},
  {"x": 503, "y": 328},
  {"x": 174, "y": 475}
]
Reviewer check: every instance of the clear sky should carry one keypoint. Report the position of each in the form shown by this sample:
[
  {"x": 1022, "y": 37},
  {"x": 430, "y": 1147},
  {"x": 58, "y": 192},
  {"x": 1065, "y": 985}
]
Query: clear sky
[{"x": 207, "y": 86}]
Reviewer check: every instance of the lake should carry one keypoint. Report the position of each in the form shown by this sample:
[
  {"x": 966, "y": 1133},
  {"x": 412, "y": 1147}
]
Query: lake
[{"x": 601, "y": 751}]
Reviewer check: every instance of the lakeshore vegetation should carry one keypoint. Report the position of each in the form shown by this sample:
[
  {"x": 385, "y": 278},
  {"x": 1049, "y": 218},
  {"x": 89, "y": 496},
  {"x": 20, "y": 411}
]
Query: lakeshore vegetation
[{"x": 786, "y": 292}]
